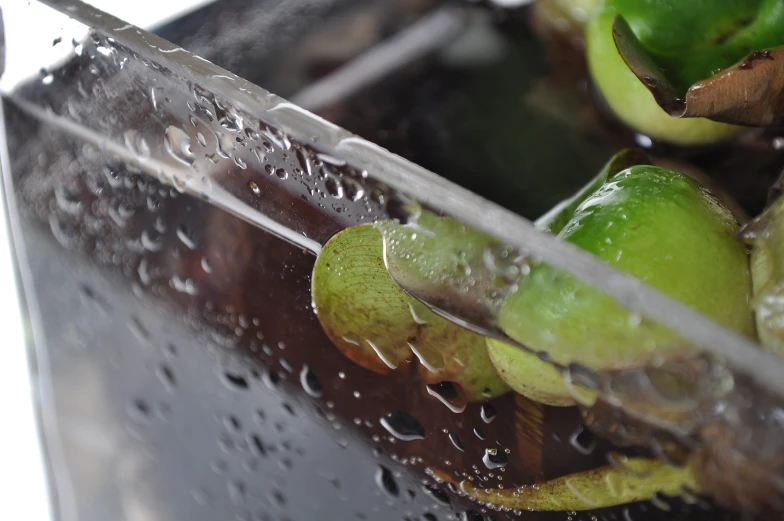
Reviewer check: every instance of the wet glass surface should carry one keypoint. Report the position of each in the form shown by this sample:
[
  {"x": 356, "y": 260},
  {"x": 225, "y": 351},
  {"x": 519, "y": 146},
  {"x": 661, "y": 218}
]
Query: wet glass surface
[{"x": 167, "y": 237}]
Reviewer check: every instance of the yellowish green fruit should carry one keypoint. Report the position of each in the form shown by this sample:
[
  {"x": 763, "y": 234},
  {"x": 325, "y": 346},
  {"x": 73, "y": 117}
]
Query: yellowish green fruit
[
  {"x": 533, "y": 377},
  {"x": 632, "y": 102},
  {"x": 655, "y": 224},
  {"x": 375, "y": 324}
]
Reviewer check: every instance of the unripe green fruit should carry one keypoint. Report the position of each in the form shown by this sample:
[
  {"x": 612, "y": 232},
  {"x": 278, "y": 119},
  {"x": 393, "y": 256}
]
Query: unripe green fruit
[
  {"x": 378, "y": 326},
  {"x": 655, "y": 224}
]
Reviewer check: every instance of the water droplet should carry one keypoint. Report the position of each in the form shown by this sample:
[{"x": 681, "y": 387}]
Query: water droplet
[
  {"x": 658, "y": 500},
  {"x": 487, "y": 412},
  {"x": 278, "y": 139},
  {"x": 240, "y": 163},
  {"x": 144, "y": 272},
  {"x": 138, "y": 329},
  {"x": 271, "y": 379},
  {"x": 310, "y": 382},
  {"x": 154, "y": 98},
  {"x": 139, "y": 410},
  {"x": 281, "y": 173},
  {"x": 256, "y": 445},
  {"x": 456, "y": 441},
  {"x": 184, "y": 235},
  {"x": 386, "y": 481},
  {"x": 583, "y": 440},
  {"x": 278, "y": 498},
  {"x": 67, "y": 200},
  {"x": 254, "y": 188},
  {"x": 439, "y": 495},
  {"x": 493, "y": 459},
  {"x": 166, "y": 376},
  {"x": 334, "y": 187},
  {"x": 415, "y": 315},
  {"x": 236, "y": 491},
  {"x": 479, "y": 433},
  {"x": 232, "y": 424},
  {"x": 431, "y": 359},
  {"x": 152, "y": 240},
  {"x": 252, "y": 134},
  {"x": 235, "y": 381},
  {"x": 450, "y": 394},
  {"x": 205, "y": 265},
  {"x": 326, "y": 158},
  {"x": 304, "y": 162},
  {"x": 352, "y": 189},
  {"x": 385, "y": 357},
  {"x": 285, "y": 364},
  {"x": 136, "y": 143},
  {"x": 403, "y": 426},
  {"x": 225, "y": 145},
  {"x": 178, "y": 145},
  {"x": 184, "y": 285},
  {"x": 153, "y": 203}
]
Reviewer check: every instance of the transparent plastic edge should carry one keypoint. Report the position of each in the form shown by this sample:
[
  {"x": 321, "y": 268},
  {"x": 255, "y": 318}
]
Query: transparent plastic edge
[
  {"x": 26, "y": 464},
  {"x": 741, "y": 354}
]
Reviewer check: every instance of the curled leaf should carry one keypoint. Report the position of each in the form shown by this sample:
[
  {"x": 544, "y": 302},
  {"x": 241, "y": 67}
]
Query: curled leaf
[
  {"x": 375, "y": 324},
  {"x": 631, "y": 101},
  {"x": 461, "y": 273},
  {"x": 635, "y": 479},
  {"x": 749, "y": 90}
]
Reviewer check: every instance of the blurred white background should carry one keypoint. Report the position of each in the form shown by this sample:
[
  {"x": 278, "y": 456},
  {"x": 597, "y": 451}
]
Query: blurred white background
[{"x": 23, "y": 482}]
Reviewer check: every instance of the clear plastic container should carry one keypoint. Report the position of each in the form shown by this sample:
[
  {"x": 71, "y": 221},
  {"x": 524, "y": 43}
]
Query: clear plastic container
[{"x": 166, "y": 216}]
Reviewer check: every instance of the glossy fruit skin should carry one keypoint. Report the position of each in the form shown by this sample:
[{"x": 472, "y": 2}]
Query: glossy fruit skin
[
  {"x": 655, "y": 224},
  {"x": 693, "y": 40},
  {"x": 379, "y": 327},
  {"x": 632, "y": 102}
]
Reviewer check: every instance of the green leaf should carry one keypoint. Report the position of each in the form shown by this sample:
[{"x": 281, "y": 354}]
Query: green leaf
[
  {"x": 697, "y": 59},
  {"x": 631, "y": 100},
  {"x": 375, "y": 324},
  {"x": 693, "y": 40},
  {"x": 635, "y": 479}
]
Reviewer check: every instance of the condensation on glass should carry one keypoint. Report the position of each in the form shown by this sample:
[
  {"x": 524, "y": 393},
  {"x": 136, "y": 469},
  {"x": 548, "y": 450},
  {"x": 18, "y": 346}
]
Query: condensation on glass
[{"x": 167, "y": 215}]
